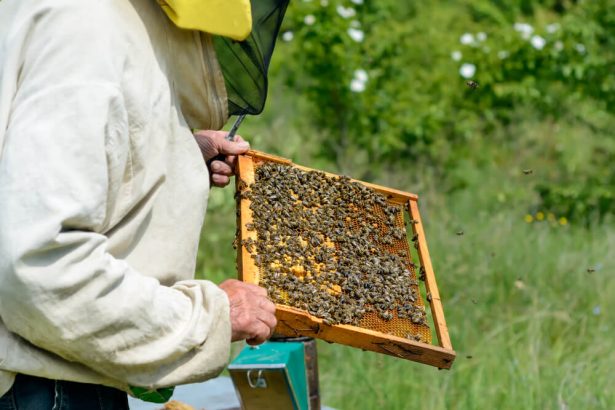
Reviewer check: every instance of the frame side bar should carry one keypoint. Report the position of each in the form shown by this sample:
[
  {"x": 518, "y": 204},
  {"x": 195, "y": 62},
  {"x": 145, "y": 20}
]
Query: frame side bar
[
  {"x": 430, "y": 278},
  {"x": 248, "y": 271}
]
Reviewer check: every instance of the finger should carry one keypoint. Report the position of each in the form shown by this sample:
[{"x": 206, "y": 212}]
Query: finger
[
  {"x": 230, "y": 160},
  {"x": 232, "y": 147},
  {"x": 260, "y": 335},
  {"x": 254, "y": 342},
  {"x": 268, "y": 306},
  {"x": 269, "y": 320},
  {"x": 222, "y": 168},
  {"x": 257, "y": 290},
  {"x": 220, "y": 180}
]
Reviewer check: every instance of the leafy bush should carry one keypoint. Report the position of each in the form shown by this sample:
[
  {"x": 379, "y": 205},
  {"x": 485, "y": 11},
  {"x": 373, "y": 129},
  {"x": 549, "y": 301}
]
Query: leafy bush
[{"x": 388, "y": 79}]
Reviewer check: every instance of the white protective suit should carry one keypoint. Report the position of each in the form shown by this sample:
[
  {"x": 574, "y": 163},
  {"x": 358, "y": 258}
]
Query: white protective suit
[{"x": 103, "y": 191}]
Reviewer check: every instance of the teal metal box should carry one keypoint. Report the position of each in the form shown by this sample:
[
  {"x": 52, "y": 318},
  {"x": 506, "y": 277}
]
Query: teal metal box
[{"x": 271, "y": 376}]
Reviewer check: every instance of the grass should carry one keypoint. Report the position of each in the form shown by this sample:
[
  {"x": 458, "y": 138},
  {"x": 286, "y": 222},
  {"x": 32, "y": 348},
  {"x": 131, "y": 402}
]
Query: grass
[
  {"x": 534, "y": 338},
  {"x": 531, "y": 327}
]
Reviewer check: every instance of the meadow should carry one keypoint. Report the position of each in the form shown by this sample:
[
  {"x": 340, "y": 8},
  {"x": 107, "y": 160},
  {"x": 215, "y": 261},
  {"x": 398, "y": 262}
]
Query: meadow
[
  {"x": 527, "y": 303},
  {"x": 527, "y": 289}
]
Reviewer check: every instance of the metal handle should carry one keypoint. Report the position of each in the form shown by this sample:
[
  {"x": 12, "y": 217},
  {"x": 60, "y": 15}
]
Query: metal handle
[{"x": 259, "y": 383}]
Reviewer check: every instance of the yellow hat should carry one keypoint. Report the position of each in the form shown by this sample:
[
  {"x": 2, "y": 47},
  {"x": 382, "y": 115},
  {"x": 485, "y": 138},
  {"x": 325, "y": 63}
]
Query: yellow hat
[{"x": 228, "y": 18}]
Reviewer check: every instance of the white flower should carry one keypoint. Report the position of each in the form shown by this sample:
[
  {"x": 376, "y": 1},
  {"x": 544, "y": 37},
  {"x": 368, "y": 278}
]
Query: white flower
[
  {"x": 480, "y": 36},
  {"x": 538, "y": 42},
  {"x": 456, "y": 55},
  {"x": 502, "y": 54},
  {"x": 361, "y": 75},
  {"x": 552, "y": 28},
  {"x": 580, "y": 48},
  {"x": 558, "y": 46},
  {"x": 288, "y": 36},
  {"x": 357, "y": 1},
  {"x": 359, "y": 81},
  {"x": 324, "y": 3},
  {"x": 309, "y": 20},
  {"x": 466, "y": 39},
  {"x": 357, "y": 86},
  {"x": 525, "y": 29},
  {"x": 356, "y": 34},
  {"x": 346, "y": 12},
  {"x": 467, "y": 70}
]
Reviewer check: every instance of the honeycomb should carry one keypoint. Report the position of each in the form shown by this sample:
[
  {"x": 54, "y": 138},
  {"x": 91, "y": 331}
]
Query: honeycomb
[{"x": 334, "y": 248}]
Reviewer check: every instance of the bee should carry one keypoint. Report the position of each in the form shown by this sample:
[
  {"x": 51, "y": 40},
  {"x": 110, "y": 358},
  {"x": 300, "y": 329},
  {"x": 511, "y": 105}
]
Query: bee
[
  {"x": 428, "y": 297},
  {"x": 528, "y": 171},
  {"x": 417, "y": 318},
  {"x": 472, "y": 84},
  {"x": 459, "y": 233},
  {"x": 591, "y": 270},
  {"x": 387, "y": 316},
  {"x": 422, "y": 274},
  {"x": 474, "y": 301},
  {"x": 469, "y": 356}
]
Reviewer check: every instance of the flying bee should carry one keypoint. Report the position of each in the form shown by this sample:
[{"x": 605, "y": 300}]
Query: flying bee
[
  {"x": 591, "y": 270},
  {"x": 528, "y": 171},
  {"x": 460, "y": 233},
  {"x": 472, "y": 84}
]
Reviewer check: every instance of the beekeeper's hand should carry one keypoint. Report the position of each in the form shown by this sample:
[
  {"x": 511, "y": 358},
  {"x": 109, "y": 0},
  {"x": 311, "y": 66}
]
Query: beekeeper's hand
[
  {"x": 252, "y": 313},
  {"x": 212, "y": 143}
]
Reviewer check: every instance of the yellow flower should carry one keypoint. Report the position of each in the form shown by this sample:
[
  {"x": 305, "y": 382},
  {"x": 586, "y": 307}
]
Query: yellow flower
[
  {"x": 540, "y": 216},
  {"x": 551, "y": 217},
  {"x": 563, "y": 221},
  {"x": 528, "y": 218}
]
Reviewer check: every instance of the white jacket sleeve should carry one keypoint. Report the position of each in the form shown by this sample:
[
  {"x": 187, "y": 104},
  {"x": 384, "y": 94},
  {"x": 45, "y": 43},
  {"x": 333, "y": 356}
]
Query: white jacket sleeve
[{"x": 59, "y": 287}]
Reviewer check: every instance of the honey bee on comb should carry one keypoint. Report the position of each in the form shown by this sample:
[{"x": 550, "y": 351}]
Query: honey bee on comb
[{"x": 334, "y": 248}]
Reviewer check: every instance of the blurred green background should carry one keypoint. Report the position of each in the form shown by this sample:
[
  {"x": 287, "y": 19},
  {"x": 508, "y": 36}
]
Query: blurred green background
[{"x": 524, "y": 165}]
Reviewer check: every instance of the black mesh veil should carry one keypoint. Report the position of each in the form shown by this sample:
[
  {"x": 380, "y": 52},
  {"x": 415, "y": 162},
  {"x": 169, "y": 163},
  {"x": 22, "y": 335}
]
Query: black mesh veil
[{"x": 245, "y": 63}]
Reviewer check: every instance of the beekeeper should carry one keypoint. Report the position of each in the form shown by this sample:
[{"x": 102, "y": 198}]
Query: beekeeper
[{"x": 103, "y": 189}]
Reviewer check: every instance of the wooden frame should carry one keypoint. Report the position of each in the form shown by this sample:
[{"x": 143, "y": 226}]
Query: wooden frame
[{"x": 294, "y": 322}]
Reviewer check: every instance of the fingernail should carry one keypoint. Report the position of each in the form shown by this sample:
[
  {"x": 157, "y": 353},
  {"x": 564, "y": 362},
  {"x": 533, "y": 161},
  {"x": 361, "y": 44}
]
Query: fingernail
[{"x": 243, "y": 145}]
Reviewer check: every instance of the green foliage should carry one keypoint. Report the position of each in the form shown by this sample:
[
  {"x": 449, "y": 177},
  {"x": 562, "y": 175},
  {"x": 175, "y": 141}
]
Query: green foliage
[{"x": 386, "y": 80}]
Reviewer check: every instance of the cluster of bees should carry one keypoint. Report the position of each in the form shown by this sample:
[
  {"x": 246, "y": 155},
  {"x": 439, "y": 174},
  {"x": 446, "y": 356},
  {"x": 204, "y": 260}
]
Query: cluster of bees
[{"x": 330, "y": 246}]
